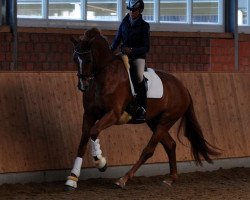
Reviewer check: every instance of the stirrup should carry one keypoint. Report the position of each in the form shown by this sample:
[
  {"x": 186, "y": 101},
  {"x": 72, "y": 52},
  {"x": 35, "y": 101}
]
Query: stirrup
[{"x": 140, "y": 114}]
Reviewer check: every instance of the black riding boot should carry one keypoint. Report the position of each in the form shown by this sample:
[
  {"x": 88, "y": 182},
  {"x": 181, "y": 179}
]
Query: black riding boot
[{"x": 141, "y": 99}]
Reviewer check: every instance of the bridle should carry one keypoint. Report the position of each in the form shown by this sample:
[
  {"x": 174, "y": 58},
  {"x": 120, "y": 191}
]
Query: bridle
[
  {"x": 83, "y": 78},
  {"x": 85, "y": 81}
]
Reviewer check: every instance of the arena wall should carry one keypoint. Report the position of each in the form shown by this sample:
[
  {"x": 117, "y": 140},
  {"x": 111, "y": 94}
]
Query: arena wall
[
  {"x": 43, "y": 49},
  {"x": 41, "y": 119}
]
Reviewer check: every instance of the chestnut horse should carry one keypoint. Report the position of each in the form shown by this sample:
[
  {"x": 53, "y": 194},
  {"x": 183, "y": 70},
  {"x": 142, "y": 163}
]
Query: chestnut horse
[{"x": 106, "y": 94}]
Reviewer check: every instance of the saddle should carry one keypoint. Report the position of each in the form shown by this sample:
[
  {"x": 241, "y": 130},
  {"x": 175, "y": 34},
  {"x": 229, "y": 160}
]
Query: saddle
[
  {"x": 154, "y": 89},
  {"x": 153, "y": 81}
]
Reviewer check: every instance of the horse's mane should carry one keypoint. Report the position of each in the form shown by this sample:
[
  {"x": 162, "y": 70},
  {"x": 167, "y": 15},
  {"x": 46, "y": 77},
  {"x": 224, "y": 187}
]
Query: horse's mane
[{"x": 93, "y": 33}]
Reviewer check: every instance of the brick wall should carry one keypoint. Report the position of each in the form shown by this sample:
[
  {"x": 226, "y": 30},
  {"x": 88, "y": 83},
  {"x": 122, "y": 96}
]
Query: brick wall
[
  {"x": 5, "y": 50},
  {"x": 51, "y": 50},
  {"x": 244, "y": 52},
  {"x": 179, "y": 53},
  {"x": 222, "y": 55},
  {"x": 45, "y": 51}
]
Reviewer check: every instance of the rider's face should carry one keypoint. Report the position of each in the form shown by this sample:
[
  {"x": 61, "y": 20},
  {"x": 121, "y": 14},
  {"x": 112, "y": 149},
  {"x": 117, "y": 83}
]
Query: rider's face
[{"x": 134, "y": 14}]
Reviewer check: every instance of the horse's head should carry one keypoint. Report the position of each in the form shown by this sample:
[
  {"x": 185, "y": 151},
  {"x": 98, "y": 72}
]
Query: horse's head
[
  {"x": 87, "y": 50},
  {"x": 84, "y": 60}
]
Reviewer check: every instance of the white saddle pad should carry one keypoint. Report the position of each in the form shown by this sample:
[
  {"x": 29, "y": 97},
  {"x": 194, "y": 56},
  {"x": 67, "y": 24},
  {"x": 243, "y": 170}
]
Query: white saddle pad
[{"x": 155, "y": 87}]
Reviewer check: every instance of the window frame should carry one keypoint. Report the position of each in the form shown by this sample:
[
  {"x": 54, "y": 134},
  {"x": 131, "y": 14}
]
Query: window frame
[
  {"x": 155, "y": 25},
  {"x": 246, "y": 28}
]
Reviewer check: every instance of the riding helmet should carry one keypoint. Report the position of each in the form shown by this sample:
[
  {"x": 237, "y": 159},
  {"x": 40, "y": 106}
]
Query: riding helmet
[{"x": 135, "y": 5}]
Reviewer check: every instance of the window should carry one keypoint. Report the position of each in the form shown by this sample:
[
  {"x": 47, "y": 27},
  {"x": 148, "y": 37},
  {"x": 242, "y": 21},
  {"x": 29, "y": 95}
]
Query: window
[
  {"x": 244, "y": 16},
  {"x": 148, "y": 13},
  {"x": 206, "y": 12},
  {"x": 173, "y": 11},
  {"x": 59, "y": 9},
  {"x": 102, "y": 10},
  {"x": 243, "y": 12},
  {"x": 162, "y": 14},
  {"x": 29, "y": 8}
]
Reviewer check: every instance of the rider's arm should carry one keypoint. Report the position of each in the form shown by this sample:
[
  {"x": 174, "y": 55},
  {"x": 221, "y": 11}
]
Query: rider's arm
[{"x": 117, "y": 39}]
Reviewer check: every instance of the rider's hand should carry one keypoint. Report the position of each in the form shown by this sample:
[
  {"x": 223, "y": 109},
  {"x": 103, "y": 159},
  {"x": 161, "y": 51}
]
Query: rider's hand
[{"x": 126, "y": 50}]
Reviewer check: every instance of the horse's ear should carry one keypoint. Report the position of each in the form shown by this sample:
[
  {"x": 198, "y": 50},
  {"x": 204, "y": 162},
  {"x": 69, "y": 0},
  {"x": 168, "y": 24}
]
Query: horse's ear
[{"x": 74, "y": 41}]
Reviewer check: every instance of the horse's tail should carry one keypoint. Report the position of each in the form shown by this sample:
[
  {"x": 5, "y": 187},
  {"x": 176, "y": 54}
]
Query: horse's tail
[{"x": 192, "y": 130}]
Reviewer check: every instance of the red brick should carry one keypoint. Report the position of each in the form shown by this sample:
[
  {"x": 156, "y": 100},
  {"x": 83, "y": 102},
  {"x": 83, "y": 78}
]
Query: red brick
[
  {"x": 42, "y": 37},
  {"x": 179, "y": 67},
  {"x": 165, "y": 41},
  {"x": 222, "y": 42},
  {"x": 21, "y": 47},
  {"x": 23, "y": 37},
  {"x": 204, "y": 59},
  {"x": 244, "y": 61},
  {"x": 33, "y": 57},
  {"x": 29, "y": 47},
  {"x": 46, "y": 66},
  {"x": 24, "y": 57},
  {"x": 2, "y": 37},
  {"x": 191, "y": 41},
  {"x": 29, "y": 66},
  {"x": 154, "y": 41},
  {"x": 2, "y": 57},
  {"x": 172, "y": 67},
  {"x": 197, "y": 59},
  {"x": 42, "y": 57},
  {"x": 9, "y": 37},
  {"x": 9, "y": 56},
  {"x": 216, "y": 67}
]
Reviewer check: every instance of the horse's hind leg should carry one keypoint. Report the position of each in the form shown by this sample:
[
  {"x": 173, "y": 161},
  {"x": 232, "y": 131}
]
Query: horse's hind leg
[
  {"x": 146, "y": 153},
  {"x": 170, "y": 148}
]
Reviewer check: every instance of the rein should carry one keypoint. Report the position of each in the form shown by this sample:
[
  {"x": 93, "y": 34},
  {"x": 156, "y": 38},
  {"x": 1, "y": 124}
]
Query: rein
[{"x": 81, "y": 53}]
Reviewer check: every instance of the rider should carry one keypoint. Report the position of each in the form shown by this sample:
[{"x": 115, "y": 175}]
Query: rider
[{"x": 134, "y": 34}]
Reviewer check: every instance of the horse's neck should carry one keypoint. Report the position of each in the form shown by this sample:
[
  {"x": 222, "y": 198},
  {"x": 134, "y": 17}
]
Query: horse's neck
[
  {"x": 110, "y": 71},
  {"x": 103, "y": 59}
]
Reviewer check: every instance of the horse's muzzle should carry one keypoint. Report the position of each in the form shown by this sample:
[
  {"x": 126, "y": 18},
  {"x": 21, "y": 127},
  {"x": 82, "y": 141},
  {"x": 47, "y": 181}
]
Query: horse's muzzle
[{"x": 83, "y": 85}]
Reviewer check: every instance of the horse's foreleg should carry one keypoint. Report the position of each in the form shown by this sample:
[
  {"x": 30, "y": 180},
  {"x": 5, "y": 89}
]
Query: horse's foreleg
[
  {"x": 106, "y": 121},
  {"x": 71, "y": 182},
  {"x": 99, "y": 161},
  {"x": 170, "y": 148}
]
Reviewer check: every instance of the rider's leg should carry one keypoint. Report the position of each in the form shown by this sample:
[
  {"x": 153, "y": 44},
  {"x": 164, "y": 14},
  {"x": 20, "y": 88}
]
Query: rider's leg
[
  {"x": 140, "y": 67},
  {"x": 140, "y": 89}
]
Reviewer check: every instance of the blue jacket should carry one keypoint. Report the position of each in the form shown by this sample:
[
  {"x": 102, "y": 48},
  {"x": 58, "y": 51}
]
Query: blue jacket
[{"x": 135, "y": 36}]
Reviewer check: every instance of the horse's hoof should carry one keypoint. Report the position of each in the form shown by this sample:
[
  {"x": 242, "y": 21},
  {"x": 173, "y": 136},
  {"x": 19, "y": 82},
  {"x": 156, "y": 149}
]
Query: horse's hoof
[
  {"x": 168, "y": 182},
  {"x": 103, "y": 169},
  {"x": 68, "y": 188},
  {"x": 120, "y": 183}
]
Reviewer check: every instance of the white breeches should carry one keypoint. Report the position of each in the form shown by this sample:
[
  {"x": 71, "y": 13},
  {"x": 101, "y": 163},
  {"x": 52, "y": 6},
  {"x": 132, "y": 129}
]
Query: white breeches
[{"x": 140, "y": 67}]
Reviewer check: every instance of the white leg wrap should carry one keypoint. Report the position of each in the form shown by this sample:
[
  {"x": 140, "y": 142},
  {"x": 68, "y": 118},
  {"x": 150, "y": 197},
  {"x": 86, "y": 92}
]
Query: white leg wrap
[
  {"x": 97, "y": 152},
  {"x": 77, "y": 166},
  {"x": 95, "y": 148},
  {"x": 72, "y": 180},
  {"x": 71, "y": 183},
  {"x": 101, "y": 162}
]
